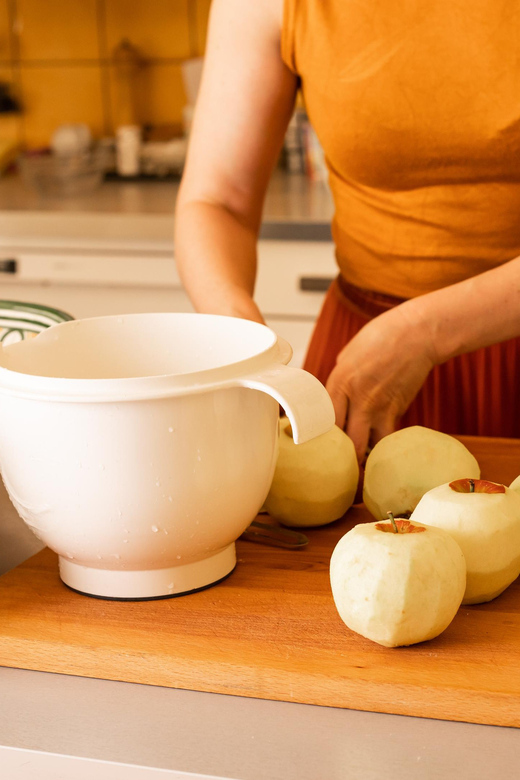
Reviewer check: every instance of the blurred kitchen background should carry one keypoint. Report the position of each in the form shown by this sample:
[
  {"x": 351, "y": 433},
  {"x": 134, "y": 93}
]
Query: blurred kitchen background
[
  {"x": 61, "y": 59},
  {"x": 106, "y": 64},
  {"x": 96, "y": 100}
]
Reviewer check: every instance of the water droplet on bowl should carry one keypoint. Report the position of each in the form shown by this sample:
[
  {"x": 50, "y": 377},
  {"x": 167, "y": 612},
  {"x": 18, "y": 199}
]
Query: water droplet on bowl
[
  {"x": 154, "y": 529},
  {"x": 170, "y": 430}
]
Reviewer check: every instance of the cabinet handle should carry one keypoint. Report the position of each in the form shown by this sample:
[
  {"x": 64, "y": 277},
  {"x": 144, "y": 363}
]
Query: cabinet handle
[
  {"x": 315, "y": 283},
  {"x": 8, "y": 266}
]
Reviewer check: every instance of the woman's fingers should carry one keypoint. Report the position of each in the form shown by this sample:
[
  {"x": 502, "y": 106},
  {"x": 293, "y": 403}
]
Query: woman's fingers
[
  {"x": 365, "y": 426},
  {"x": 376, "y": 377},
  {"x": 349, "y": 416},
  {"x": 354, "y": 423},
  {"x": 339, "y": 399},
  {"x": 382, "y": 429},
  {"x": 358, "y": 428}
]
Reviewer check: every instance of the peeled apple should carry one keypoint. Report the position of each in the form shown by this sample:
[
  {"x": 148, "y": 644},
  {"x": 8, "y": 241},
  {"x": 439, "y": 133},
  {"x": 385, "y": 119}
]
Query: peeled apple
[
  {"x": 397, "y": 582},
  {"x": 314, "y": 483},
  {"x": 484, "y": 519},
  {"x": 515, "y": 484},
  {"x": 404, "y": 465}
]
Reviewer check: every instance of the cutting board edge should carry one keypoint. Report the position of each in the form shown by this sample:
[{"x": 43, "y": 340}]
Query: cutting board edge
[{"x": 487, "y": 708}]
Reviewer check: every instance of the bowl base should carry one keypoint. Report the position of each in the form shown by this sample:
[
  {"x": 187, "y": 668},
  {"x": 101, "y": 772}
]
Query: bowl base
[{"x": 150, "y": 584}]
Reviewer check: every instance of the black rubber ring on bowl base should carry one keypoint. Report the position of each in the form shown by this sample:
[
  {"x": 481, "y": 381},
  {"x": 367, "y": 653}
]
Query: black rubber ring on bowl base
[{"x": 152, "y": 598}]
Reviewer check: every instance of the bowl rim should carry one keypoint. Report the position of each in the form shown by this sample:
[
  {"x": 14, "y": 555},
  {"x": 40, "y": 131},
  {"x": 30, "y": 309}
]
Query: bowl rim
[{"x": 273, "y": 356}]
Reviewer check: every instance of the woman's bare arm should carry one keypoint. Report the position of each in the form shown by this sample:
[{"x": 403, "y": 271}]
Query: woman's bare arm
[{"x": 245, "y": 103}]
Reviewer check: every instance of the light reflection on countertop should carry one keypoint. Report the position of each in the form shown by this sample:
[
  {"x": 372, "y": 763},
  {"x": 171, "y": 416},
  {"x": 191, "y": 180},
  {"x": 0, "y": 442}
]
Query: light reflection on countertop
[
  {"x": 289, "y": 197},
  {"x": 141, "y": 214}
]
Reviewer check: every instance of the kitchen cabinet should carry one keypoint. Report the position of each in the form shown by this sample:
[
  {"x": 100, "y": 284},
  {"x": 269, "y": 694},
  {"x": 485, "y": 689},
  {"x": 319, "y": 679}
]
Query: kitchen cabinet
[
  {"x": 92, "y": 278},
  {"x": 293, "y": 277}
]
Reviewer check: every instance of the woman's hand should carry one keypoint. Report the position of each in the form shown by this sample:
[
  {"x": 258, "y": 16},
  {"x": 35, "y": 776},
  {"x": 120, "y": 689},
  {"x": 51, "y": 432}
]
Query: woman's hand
[{"x": 378, "y": 374}]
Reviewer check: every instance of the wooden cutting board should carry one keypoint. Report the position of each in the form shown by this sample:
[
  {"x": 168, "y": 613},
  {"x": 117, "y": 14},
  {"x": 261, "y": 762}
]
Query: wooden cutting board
[{"x": 271, "y": 631}]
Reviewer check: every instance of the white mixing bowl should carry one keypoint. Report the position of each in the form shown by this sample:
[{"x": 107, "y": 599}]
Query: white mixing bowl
[{"x": 140, "y": 447}]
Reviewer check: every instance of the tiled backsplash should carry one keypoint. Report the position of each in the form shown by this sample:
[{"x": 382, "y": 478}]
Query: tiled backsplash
[{"x": 57, "y": 55}]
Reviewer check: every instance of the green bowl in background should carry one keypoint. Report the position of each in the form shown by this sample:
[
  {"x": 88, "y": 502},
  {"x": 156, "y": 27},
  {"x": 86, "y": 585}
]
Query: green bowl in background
[{"x": 19, "y": 321}]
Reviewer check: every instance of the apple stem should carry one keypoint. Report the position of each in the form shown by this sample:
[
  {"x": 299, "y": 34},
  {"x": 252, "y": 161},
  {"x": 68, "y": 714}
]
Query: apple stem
[
  {"x": 472, "y": 486},
  {"x": 391, "y": 516}
]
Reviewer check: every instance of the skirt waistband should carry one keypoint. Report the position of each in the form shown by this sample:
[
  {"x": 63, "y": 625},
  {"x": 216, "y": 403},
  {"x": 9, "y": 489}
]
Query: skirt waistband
[{"x": 367, "y": 303}]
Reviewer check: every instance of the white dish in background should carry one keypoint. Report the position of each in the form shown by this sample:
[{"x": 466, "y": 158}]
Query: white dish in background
[{"x": 71, "y": 139}]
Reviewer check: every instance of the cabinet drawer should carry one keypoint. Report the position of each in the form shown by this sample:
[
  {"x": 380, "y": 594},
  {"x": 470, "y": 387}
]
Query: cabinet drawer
[
  {"x": 292, "y": 280},
  {"x": 96, "y": 268},
  {"x": 293, "y": 277}
]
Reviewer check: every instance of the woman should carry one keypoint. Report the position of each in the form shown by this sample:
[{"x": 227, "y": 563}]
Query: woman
[{"x": 418, "y": 112}]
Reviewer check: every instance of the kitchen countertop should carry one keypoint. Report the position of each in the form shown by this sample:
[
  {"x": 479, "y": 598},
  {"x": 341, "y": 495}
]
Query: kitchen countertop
[
  {"x": 143, "y": 211},
  {"x": 57, "y": 726}
]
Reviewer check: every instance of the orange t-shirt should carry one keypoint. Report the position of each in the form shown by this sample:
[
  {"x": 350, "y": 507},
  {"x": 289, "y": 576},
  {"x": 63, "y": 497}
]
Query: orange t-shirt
[{"x": 417, "y": 107}]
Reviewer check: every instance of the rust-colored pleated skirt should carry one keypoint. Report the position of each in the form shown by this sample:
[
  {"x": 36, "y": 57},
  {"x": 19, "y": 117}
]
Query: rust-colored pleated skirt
[{"x": 476, "y": 394}]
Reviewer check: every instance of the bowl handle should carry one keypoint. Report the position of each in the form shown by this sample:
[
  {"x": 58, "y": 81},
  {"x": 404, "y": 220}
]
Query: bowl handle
[{"x": 303, "y": 398}]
